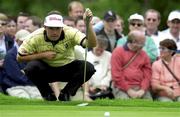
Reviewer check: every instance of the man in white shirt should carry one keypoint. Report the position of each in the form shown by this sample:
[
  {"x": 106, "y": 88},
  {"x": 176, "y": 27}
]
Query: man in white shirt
[{"x": 174, "y": 28}]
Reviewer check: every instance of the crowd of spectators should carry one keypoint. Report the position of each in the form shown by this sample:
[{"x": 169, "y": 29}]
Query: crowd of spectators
[{"x": 143, "y": 64}]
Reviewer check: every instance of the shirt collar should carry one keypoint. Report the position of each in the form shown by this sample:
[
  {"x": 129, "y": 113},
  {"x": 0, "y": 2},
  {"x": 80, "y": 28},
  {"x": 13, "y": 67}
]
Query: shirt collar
[{"x": 156, "y": 33}]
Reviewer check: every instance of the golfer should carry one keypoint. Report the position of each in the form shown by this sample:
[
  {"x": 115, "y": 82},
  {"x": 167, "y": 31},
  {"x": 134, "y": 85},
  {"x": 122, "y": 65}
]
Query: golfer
[{"x": 50, "y": 52}]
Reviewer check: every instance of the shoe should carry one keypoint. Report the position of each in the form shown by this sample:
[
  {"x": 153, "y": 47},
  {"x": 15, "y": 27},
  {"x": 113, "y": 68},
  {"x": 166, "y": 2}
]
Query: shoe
[
  {"x": 64, "y": 97},
  {"x": 50, "y": 97}
]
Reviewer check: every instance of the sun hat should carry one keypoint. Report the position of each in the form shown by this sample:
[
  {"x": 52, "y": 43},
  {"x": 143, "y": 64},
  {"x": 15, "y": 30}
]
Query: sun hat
[
  {"x": 174, "y": 15},
  {"x": 136, "y": 16},
  {"x": 54, "y": 20}
]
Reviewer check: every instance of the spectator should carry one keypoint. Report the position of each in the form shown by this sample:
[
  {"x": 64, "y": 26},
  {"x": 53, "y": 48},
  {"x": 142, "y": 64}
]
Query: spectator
[
  {"x": 131, "y": 68},
  {"x": 119, "y": 25},
  {"x": 109, "y": 31},
  {"x": 174, "y": 28},
  {"x": 32, "y": 23},
  {"x": 152, "y": 21},
  {"x": 100, "y": 58},
  {"x": 11, "y": 28},
  {"x": 6, "y": 43},
  {"x": 136, "y": 22},
  {"x": 14, "y": 82},
  {"x": 75, "y": 9},
  {"x": 69, "y": 21},
  {"x": 165, "y": 86},
  {"x": 80, "y": 24},
  {"x": 21, "y": 18}
]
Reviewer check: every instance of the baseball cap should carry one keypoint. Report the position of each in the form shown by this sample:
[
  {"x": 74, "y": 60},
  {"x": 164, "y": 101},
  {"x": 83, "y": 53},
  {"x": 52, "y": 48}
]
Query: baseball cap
[
  {"x": 109, "y": 15},
  {"x": 136, "y": 16},
  {"x": 54, "y": 20},
  {"x": 21, "y": 34},
  {"x": 174, "y": 15}
]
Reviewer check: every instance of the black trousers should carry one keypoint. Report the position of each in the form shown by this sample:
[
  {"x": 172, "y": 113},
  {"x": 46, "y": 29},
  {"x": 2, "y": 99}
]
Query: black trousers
[{"x": 40, "y": 73}]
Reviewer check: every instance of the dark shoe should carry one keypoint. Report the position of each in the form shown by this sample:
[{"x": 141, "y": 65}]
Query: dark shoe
[
  {"x": 50, "y": 97},
  {"x": 64, "y": 97}
]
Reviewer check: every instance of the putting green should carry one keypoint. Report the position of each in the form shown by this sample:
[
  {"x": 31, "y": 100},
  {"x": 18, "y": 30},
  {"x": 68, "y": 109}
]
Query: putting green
[
  {"x": 16, "y": 107},
  {"x": 86, "y": 111}
]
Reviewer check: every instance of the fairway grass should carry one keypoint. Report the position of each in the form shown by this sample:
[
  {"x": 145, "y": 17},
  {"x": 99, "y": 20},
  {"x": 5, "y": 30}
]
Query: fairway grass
[{"x": 15, "y": 107}]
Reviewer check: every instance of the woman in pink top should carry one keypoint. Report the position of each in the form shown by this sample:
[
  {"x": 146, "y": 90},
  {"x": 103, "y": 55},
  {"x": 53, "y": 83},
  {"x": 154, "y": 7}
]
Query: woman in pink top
[{"x": 164, "y": 85}]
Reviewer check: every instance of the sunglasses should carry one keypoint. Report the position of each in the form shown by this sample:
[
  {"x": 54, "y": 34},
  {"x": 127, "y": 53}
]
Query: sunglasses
[
  {"x": 2, "y": 24},
  {"x": 151, "y": 19},
  {"x": 175, "y": 21},
  {"x": 164, "y": 49},
  {"x": 136, "y": 24}
]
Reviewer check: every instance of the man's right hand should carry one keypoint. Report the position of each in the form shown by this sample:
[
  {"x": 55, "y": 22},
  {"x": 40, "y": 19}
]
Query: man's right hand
[
  {"x": 169, "y": 92},
  {"x": 132, "y": 93},
  {"x": 49, "y": 55}
]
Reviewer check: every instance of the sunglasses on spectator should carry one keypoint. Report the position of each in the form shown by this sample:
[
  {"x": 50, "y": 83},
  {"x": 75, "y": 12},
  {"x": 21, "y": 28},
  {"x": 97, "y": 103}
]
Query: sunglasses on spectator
[
  {"x": 136, "y": 24},
  {"x": 175, "y": 21},
  {"x": 2, "y": 24},
  {"x": 151, "y": 19},
  {"x": 164, "y": 49}
]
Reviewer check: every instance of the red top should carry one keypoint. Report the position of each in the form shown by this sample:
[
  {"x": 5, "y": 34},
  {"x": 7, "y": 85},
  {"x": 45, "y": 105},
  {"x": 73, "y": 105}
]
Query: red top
[{"x": 138, "y": 73}]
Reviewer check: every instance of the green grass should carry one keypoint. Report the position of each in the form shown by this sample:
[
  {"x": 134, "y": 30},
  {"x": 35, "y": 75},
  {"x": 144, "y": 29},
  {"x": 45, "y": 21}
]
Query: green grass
[{"x": 15, "y": 107}]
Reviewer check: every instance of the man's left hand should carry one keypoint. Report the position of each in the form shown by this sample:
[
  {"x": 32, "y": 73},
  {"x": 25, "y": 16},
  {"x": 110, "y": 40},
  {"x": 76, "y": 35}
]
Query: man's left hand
[{"x": 88, "y": 14}]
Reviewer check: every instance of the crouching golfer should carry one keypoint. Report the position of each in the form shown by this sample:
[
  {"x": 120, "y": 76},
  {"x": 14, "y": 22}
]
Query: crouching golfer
[{"x": 50, "y": 51}]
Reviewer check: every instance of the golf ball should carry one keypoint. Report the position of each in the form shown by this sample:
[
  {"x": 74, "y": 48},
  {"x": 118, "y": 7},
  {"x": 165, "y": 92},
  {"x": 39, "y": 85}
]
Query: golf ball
[{"x": 107, "y": 114}]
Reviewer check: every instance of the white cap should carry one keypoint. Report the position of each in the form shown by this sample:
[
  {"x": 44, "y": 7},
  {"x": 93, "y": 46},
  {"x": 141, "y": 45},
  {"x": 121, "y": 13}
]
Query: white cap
[
  {"x": 21, "y": 34},
  {"x": 174, "y": 15},
  {"x": 54, "y": 20},
  {"x": 136, "y": 16}
]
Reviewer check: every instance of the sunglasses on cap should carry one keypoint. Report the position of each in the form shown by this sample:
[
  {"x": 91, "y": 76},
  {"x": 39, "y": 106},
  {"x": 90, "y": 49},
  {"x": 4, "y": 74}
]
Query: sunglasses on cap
[{"x": 136, "y": 24}]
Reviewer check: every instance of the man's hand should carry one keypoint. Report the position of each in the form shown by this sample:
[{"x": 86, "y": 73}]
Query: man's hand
[
  {"x": 169, "y": 92},
  {"x": 90, "y": 34},
  {"x": 49, "y": 55},
  {"x": 103, "y": 87},
  {"x": 87, "y": 14},
  {"x": 140, "y": 93},
  {"x": 132, "y": 93},
  {"x": 1, "y": 62}
]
